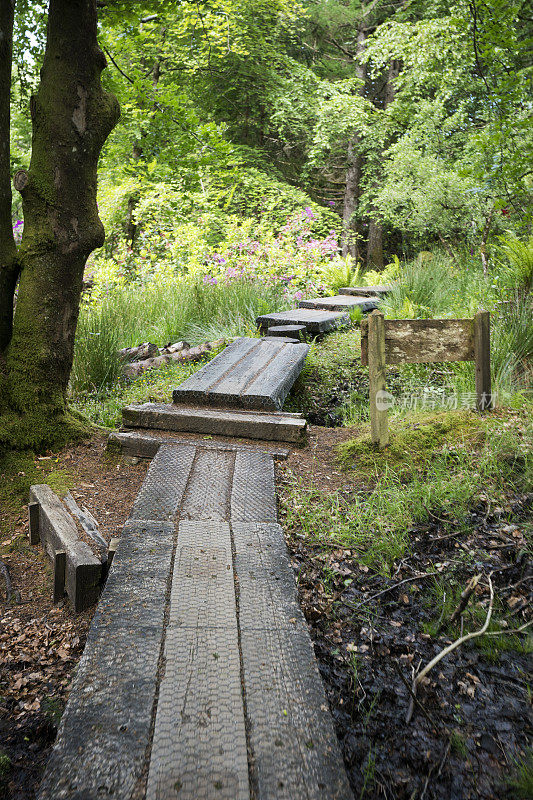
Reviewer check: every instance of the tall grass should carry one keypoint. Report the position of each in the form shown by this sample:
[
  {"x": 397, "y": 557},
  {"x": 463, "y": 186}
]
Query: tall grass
[{"x": 189, "y": 310}]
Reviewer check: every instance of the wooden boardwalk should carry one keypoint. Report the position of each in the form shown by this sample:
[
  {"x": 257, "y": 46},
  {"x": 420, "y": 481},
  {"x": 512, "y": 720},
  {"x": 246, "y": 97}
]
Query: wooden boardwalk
[
  {"x": 341, "y": 302},
  {"x": 199, "y": 680},
  {"x": 249, "y": 373}
]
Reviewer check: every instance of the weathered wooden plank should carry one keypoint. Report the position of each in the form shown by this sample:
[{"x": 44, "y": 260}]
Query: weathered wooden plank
[
  {"x": 101, "y": 746},
  {"x": 164, "y": 484},
  {"x": 315, "y": 320},
  {"x": 277, "y": 427},
  {"x": 253, "y": 492},
  {"x": 58, "y": 532},
  {"x": 341, "y": 302},
  {"x": 228, "y": 386},
  {"x": 144, "y": 446},
  {"x": 209, "y": 488},
  {"x": 228, "y": 389},
  {"x": 380, "y": 290},
  {"x": 424, "y": 340},
  {"x": 287, "y": 332},
  {"x": 195, "y": 387},
  {"x": 295, "y": 753},
  {"x": 377, "y": 379},
  {"x": 269, "y": 388},
  {"x": 199, "y": 748},
  {"x": 482, "y": 359}
]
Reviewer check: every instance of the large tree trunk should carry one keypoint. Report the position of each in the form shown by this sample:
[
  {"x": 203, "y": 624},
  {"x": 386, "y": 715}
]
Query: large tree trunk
[
  {"x": 72, "y": 117},
  {"x": 8, "y": 249}
]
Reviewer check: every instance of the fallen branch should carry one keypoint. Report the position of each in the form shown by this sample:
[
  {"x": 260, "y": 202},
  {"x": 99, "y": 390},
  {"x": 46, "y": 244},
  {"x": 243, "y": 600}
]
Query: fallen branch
[
  {"x": 465, "y": 597},
  {"x": 10, "y": 594},
  {"x": 389, "y": 589},
  {"x": 166, "y": 356},
  {"x": 453, "y": 646}
]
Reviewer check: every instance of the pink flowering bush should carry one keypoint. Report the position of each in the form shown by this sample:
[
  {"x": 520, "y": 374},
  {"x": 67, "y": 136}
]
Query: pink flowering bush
[{"x": 293, "y": 259}]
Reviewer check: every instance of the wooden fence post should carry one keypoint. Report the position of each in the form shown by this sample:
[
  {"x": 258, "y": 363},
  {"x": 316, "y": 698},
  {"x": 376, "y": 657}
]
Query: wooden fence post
[
  {"x": 376, "y": 372},
  {"x": 60, "y": 567},
  {"x": 482, "y": 360}
]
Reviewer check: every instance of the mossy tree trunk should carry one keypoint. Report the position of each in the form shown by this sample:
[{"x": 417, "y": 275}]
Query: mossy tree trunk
[
  {"x": 8, "y": 248},
  {"x": 72, "y": 117}
]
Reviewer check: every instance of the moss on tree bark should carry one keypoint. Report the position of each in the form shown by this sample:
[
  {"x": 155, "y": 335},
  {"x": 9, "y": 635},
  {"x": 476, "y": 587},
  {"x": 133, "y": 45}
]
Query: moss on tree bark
[{"x": 72, "y": 117}]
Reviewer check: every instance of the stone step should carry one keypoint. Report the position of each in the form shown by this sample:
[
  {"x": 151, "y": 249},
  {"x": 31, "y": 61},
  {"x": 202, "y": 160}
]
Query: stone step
[
  {"x": 341, "y": 302},
  {"x": 249, "y": 373},
  {"x": 367, "y": 291},
  {"x": 278, "y": 427},
  {"x": 315, "y": 320}
]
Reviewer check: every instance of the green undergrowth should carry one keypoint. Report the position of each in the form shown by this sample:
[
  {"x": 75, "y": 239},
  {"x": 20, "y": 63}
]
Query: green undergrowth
[
  {"x": 436, "y": 468},
  {"x": 414, "y": 443},
  {"x": 104, "y": 408},
  {"x": 19, "y": 471}
]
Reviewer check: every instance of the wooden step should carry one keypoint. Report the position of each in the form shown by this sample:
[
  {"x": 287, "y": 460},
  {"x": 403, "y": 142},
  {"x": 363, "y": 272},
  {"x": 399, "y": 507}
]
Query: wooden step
[
  {"x": 277, "y": 427},
  {"x": 146, "y": 445},
  {"x": 367, "y": 291},
  {"x": 315, "y": 320},
  {"x": 341, "y": 302},
  {"x": 249, "y": 373}
]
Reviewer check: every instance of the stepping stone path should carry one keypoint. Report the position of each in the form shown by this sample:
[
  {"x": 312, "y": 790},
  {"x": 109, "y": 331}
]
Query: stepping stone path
[
  {"x": 199, "y": 680},
  {"x": 341, "y": 302}
]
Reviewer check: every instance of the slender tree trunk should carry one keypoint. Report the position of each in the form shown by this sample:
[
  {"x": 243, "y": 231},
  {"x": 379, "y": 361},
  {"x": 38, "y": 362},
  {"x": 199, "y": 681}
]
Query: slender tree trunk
[
  {"x": 8, "y": 248},
  {"x": 374, "y": 252},
  {"x": 72, "y": 117},
  {"x": 354, "y": 169}
]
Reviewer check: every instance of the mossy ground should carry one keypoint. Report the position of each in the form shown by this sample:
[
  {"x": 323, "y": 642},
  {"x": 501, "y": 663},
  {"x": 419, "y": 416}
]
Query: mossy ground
[{"x": 414, "y": 442}]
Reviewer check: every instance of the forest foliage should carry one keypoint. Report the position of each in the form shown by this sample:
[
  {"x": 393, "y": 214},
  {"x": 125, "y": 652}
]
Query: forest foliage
[{"x": 237, "y": 115}]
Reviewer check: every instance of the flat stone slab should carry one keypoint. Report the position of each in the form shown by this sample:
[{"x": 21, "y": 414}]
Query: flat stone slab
[
  {"x": 249, "y": 373},
  {"x": 380, "y": 290},
  {"x": 58, "y": 533},
  {"x": 315, "y": 320},
  {"x": 341, "y": 302},
  {"x": 274, "y": 426}
]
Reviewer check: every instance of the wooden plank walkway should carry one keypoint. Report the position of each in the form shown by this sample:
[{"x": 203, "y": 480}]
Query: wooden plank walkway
[
  {"x": 273, "y": 426},
  {"x": 199, "y": 680},
  {"x": 379, "y": 290},
  {"x": 315, "y": 320},
  {"x": 341, "y": 302},
  {"x": 249, "y": 373}
]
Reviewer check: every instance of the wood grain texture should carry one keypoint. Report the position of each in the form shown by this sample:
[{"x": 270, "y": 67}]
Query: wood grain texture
[
  {"x": 377, "y": 378},
  {"x": 424, "y": 341},
  {"x": 482, "y": 359}
]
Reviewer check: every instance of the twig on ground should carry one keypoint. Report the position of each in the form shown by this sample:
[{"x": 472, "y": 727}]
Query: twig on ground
[
  {"x": 10, "y": 593},
  {"x": 385, "y": 591},
  {"x": 505, "y": 632},
  {"x": 414, "y": 699},
  {"x": 439, "y": 519},
  {"x": 466, "y": 594},
  {"x": 449, "y": 649}
]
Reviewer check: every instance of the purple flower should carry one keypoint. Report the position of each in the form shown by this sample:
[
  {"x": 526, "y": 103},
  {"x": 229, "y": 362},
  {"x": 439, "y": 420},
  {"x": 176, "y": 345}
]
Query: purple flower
[
  {"x": 18, "y": 224},
  {"x": 298, "y": 295},
  {"x": 309, "y": 213},
  {"x": 331, "y": 203}
]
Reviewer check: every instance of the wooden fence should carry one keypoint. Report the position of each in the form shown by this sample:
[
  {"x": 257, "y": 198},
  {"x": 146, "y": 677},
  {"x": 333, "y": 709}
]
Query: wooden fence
[{"x": 402, "y": 341}]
